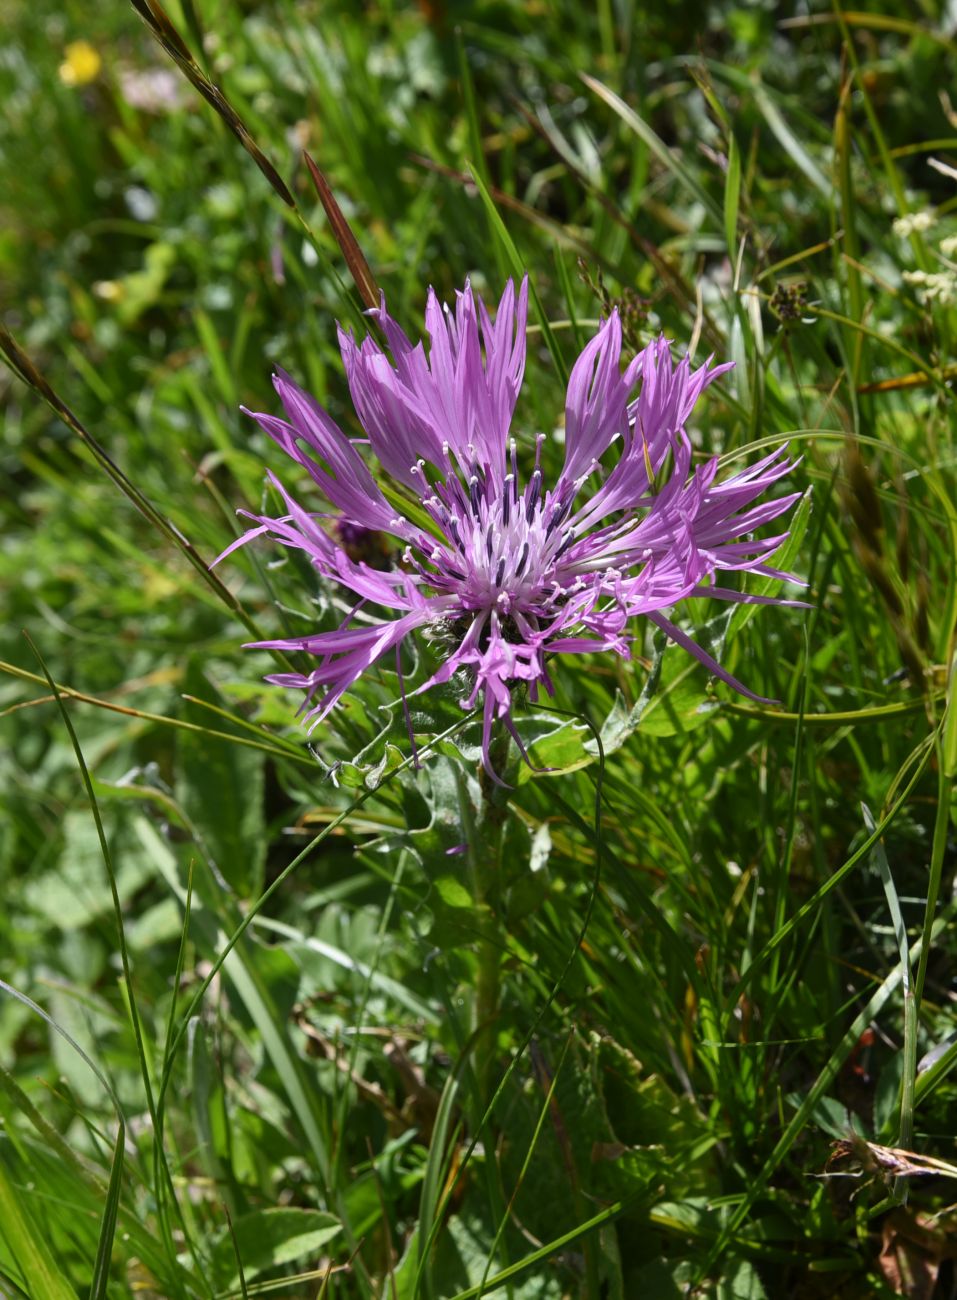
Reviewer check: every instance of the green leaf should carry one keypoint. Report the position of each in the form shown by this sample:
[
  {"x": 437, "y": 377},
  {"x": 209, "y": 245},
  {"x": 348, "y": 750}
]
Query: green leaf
[
  {"x": 673, "y": 700},
  {"x": 269, "y": 1239},
  {"x": 461, "y": 1258},
  {"x": 742, "y": 1283},
  {"x": 563, "y": 749},
  {"x": 452, "y": 891},
  {"x": 141, "y": 290},
  {"x": 659, "y": 1134},
  {"x": 74, "y": 893},
  {"x": 219, "y": 786}
]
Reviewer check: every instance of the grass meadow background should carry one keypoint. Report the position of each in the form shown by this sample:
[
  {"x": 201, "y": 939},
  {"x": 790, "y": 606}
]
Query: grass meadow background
[{"x": 740, "y": 1084}]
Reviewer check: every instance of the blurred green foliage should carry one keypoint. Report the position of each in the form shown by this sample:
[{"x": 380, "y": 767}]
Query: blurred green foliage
[{"x": 729, "y": 174}]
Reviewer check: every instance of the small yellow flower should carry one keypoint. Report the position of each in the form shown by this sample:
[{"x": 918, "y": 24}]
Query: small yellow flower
[{"x": 81, "y": 65}]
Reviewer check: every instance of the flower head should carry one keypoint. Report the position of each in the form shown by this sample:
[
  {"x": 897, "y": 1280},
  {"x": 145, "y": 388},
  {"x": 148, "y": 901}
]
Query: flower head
[
  {"x": 514, "y": 571},
  {"x": 81, "y": 64}
]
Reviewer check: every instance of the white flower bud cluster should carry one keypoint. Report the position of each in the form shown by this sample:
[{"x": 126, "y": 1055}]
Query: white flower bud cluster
[
  {"x": 935, "y": 286},
  {"x": 914, "y": 223}
]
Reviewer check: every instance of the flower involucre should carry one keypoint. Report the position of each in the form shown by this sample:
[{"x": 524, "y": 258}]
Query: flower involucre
[{"x": 513, "y": 571}]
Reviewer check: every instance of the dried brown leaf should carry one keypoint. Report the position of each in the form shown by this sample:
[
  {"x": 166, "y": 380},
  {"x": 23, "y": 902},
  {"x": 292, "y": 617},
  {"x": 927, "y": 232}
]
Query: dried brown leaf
[
  {"x": 342, "y": 231},
  {"x": 912, "y": 1250}
]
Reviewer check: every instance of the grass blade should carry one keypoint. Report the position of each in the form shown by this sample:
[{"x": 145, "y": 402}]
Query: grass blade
[
  {"x": 280, "y": 749},
  {"x": 732, "y": 197},
  {"x": 905, "y": 1132},
  {"x": 607, "y": 1215},
  {"x": 790, "y": 143},
  {"x": 802, "y": 1115},
  {"x": 165, "y": 1186},
  {"x": 935, "y": 876},
  {"x": 21, "y": 364},
  {"x": 43, "y": 1279},
  {"x": 518, "y": 269},
  {"x": 666, "y": 156},
  {"x": 158, "y": 21},
  {"x": 99, "y": 1287}
]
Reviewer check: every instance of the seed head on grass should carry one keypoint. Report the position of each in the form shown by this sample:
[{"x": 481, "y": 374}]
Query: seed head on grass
[{"x": 517, "y": 571}]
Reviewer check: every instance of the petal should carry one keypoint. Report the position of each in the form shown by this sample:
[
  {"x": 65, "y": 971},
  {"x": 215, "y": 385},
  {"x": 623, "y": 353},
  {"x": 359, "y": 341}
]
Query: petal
[
  {"x": 399, "y": 431},
  {"x": 504, "y": 343},
  {"x": 686, "y": 643},
  {"x": 332, "y": 461},
  {"x": 346, "y": 654},
  {"x": 413, "y": 406},
  {"x": 655, "y": 419},
  {"x": 301, "y": 531},
  {"x": 595, "y": 404}
]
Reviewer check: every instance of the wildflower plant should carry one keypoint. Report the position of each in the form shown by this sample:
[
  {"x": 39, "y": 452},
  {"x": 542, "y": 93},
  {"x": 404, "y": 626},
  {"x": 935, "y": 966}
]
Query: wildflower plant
[
  {"x": 502, "y": 570},
  {"x": 425, "y": 1032}
]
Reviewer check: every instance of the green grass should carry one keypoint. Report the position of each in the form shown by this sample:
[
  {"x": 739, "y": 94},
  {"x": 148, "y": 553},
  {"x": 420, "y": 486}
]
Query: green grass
[{"x": 238, "y": 1051}]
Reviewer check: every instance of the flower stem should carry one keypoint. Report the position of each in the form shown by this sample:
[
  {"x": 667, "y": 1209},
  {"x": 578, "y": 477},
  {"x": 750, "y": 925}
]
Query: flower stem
[{"x": 486, "y": 867}]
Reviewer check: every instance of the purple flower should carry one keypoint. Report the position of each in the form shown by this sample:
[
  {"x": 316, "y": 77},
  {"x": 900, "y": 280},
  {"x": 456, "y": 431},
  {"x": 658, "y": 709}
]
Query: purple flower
[{"x": 505, "y": 571}]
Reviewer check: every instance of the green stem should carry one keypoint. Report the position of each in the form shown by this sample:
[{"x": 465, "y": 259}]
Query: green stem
[{"x": 486, "y": 852}]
